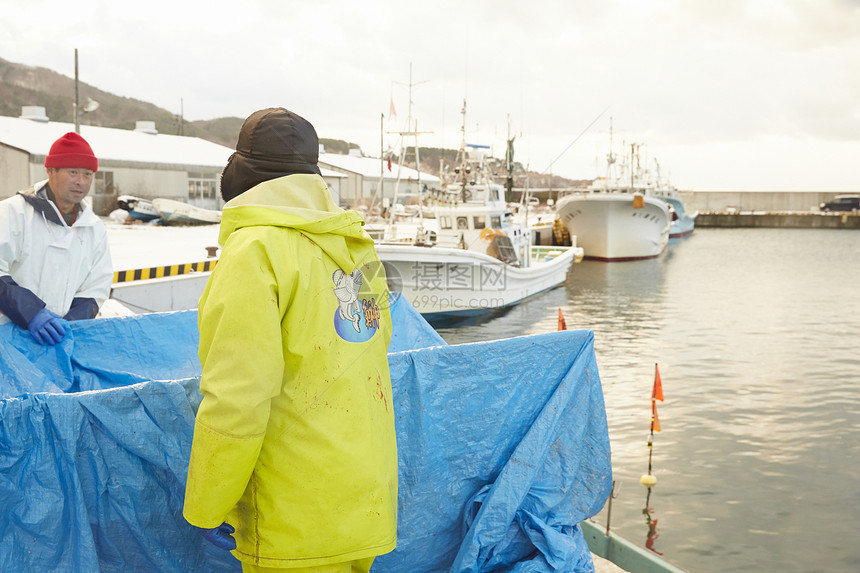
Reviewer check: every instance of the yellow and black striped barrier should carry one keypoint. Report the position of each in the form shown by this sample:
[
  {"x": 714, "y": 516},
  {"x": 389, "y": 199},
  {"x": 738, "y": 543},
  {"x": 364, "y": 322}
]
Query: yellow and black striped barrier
[{"x": 166, "y": 271}]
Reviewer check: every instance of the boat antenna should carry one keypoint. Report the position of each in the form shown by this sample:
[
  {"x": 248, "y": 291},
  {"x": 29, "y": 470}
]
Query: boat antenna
[
  {"x": 411, "y": 129},
  {"x": 575, "y": 139},
  {"x": 461, "y": 154},
  {"x": 509, "y": 163}
]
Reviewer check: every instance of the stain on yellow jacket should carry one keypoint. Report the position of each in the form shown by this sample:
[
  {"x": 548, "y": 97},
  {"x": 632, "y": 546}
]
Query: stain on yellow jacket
[{"x": 294, "y": 442}]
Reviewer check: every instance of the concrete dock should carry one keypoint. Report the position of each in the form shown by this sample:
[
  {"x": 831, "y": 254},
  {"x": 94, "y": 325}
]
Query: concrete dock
[{"x": 761, "y": 219}]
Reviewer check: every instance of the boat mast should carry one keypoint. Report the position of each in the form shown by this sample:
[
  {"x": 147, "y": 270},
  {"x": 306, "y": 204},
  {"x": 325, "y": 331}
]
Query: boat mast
[
  {"x": 413, "y": 132},
  {"x": 461, "y": 154},
  {"x": 509, "y": 160},
  {"x": 610, "y": 157},
  {"x": 632, "y": 156}
]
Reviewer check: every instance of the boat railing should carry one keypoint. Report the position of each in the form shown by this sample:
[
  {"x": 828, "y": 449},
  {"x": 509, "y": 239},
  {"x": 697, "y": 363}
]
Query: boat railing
[{"x": 546, "y": 253}]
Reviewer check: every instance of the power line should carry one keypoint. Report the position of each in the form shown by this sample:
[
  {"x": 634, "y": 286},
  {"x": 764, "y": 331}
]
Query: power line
[{"x": 575, "y": 140}]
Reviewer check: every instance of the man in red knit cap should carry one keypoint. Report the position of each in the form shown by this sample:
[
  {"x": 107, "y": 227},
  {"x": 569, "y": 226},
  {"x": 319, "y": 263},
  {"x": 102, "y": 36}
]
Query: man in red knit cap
[{"x": 54, "y": 258}]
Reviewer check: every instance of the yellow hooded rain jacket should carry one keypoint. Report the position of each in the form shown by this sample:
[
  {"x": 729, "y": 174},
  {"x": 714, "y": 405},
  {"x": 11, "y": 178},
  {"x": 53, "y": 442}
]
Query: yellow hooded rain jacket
[{"x": 294, "y": 442}]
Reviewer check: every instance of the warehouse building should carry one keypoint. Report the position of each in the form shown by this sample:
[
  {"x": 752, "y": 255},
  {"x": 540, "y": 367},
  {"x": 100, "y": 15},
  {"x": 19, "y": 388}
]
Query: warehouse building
[{"x": 139, "y": 162}]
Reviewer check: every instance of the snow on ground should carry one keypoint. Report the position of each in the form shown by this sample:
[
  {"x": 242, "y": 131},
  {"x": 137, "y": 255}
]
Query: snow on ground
[{"x": 143, "y": 245}]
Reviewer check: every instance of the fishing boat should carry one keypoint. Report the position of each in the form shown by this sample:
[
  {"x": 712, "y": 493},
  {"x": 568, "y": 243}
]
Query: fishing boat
[
  {"x": 179, "y": 213},
  {"x": 616, "y": 225},
  {"x": 621, "y": 552},
  {"x": 137, "y": 208},
  {"x": 447, "y": 282},
  {"x": 619, "y": 217},
  {"x": 461, "y": 253},
  {"x": 683, "y": 221}
]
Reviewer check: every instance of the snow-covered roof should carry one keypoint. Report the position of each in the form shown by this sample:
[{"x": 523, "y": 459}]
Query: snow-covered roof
[
  {"x": 110, "y": 144},
  {"x": 370, "y": 166}
]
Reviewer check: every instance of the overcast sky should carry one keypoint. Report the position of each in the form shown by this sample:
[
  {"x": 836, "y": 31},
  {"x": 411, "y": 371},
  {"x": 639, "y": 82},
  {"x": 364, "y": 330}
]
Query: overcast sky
[{"x": 725, "y": 94}]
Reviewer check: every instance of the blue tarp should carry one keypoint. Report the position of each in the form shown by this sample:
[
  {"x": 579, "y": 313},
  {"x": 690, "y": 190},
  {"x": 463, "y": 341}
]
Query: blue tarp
[{"x": 503, "y": 449}]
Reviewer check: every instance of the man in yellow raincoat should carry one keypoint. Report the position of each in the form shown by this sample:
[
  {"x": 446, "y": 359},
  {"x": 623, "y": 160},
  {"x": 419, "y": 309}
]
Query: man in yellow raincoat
[{"x": 294, "y": 449}]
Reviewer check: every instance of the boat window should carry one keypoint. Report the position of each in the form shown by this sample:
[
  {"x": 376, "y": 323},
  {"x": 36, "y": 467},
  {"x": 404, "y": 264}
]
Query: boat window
[
  {"x": 496, "y": 222},
  {"x": 480, "y": 221},
  {"x": 494, "y": 194},
  {"x": 444, "y": 222},
  {"x": 462, "y": 222}
]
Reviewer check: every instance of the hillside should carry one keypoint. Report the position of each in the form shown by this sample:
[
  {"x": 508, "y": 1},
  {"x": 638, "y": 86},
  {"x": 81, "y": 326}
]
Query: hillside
[{"x": 22, "y": 85}]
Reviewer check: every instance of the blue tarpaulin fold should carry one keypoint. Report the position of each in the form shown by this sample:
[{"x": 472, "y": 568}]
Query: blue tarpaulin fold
[{"x": 503, "y": 448}]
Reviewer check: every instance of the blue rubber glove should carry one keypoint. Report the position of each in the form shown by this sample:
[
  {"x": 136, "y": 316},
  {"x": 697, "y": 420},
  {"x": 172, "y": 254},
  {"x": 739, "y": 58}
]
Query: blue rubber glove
[
  {"x": 47, "y": 327},
  {"x": 220, "y": 536}
]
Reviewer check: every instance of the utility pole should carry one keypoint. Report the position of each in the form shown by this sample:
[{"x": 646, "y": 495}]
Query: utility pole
[{"x": 77, "y": 122}]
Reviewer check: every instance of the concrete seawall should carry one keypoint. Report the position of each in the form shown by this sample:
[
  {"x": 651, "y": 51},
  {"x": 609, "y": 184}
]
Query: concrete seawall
[
  {"x": 743, "y": 201},
  {"x": 779, "y": 220}
]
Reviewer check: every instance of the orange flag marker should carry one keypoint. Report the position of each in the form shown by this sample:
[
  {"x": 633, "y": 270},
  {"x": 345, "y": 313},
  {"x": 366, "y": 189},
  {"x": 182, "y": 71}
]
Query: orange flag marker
[
  {"x": 562, "y": 325},
  {"x": 649, "y": 480},
  {"x": 657, "y": 392}
]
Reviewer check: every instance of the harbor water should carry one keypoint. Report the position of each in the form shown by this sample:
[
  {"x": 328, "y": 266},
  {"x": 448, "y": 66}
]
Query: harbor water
[{"x": 757, "y": 336}]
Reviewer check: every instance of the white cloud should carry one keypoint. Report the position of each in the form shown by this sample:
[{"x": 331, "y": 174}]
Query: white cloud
[{"x": 721, "y": 92}]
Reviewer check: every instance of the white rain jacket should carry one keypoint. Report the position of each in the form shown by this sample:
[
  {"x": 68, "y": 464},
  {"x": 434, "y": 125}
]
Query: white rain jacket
[{"x": 54, "y": 261}]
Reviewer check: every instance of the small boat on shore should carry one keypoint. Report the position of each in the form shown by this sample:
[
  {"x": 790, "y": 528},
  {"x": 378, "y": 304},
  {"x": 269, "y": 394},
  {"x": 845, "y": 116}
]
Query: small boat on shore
[
  {"x": 179, "y": 213},
  {"x": 137, "y": 208}
]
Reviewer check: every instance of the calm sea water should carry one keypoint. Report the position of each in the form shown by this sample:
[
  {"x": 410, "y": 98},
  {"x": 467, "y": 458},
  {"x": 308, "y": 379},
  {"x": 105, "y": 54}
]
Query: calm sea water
[{"x": 757, "y": 337}]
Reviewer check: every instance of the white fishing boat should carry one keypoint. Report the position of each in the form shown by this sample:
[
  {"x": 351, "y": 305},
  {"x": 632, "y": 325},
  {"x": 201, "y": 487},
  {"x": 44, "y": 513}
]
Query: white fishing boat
[
  {"x": 619, "y": 217},
  {"x": 445, "y": 282},
  {"x": 462, "y": 254},
  {"x": 616, "y": 226},
  {"x": 137, "y": 208},
  {"x": 179, "y": 213}
]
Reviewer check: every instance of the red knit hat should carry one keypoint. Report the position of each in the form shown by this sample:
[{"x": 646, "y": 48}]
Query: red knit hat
[{"x": 72, "y": 150}]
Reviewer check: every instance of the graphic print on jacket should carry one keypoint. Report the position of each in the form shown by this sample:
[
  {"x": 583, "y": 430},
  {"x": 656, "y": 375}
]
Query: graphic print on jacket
[{"x": 356, "y": 316}]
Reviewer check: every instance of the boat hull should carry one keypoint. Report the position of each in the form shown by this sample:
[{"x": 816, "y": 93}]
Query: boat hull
[
  {"x": 684, "y": 223},
  {"x": 622, "y": 553},
  {"x": 442, "y": 282},
  {"x": 167, "y": 294},
  {"x": 143, "y": 211},
  {"x": 178, "y": 213},
  {"x": 613, "y": 227},
  {"x": 138, "y": 209},
  {"x": 681, "y": 229}
]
